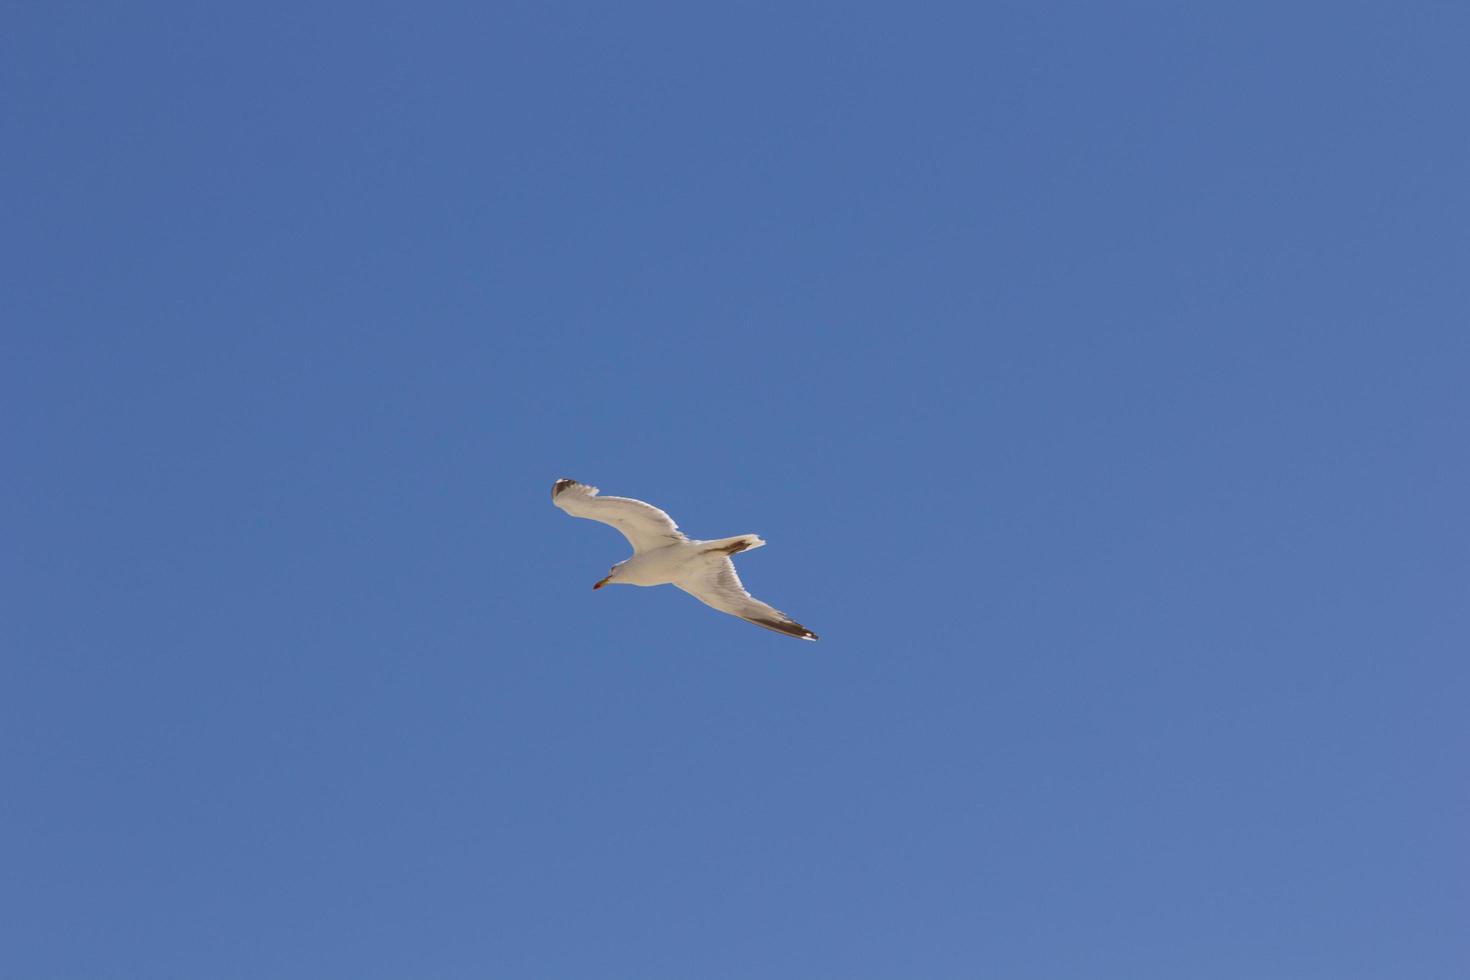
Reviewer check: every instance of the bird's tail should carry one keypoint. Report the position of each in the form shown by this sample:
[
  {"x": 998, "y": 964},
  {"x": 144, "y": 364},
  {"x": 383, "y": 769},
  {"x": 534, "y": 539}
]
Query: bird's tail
[{"x": 735, "y": 545}]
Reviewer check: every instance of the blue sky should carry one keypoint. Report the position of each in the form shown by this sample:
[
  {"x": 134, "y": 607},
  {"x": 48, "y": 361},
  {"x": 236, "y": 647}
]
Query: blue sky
[{"x": 1096, "y": 374}]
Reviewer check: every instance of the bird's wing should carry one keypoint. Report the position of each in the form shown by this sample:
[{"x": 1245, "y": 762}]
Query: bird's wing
[
  {"x": 712, "y": 580},
  {"x": 644, "y": 525}
]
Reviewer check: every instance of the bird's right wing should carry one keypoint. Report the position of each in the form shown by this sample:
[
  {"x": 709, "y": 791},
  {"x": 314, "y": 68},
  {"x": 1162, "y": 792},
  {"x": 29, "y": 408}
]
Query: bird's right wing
[
  {"x": 644, "y": 525},
  {"x": 713, "y": 582}
]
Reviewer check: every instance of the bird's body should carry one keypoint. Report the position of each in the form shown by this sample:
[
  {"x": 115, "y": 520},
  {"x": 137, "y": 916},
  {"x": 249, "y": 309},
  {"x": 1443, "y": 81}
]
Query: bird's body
[
  {"x": 662, "y": 555},
  {"x": 672, "y": 562}
]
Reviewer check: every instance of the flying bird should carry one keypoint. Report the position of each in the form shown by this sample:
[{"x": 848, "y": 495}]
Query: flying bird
[{"x": 662, "y": 555}]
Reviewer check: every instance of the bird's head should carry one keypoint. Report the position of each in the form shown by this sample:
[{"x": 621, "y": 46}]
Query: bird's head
[{"x": 612, "y": 575}]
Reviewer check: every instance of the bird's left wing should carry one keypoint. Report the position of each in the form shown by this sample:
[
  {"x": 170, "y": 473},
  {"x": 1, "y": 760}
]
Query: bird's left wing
[
  {"x": 712, "y": 580},
  {"x": 644, "y": 525}
]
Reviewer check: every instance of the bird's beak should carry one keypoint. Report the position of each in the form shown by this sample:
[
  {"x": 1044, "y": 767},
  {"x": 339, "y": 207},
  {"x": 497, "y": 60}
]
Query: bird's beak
[{"x": 602, "y": 583}]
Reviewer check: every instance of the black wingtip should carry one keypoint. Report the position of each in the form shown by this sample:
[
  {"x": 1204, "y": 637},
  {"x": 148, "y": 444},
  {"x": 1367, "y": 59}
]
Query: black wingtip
[
  {"x": 789, "y": 628},
  {"x": 561, "y": 485}
]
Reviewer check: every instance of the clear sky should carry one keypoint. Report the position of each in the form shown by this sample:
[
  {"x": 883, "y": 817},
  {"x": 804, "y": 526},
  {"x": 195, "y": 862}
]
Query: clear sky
[{"x": 1099, "y": 376}]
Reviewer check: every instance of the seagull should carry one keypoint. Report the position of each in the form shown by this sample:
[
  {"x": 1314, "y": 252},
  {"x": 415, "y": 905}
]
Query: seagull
[{"x": 662, "y": 555}]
